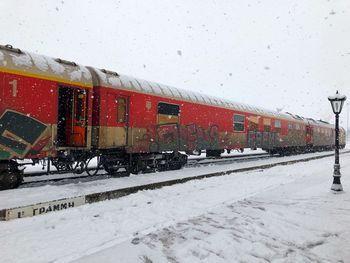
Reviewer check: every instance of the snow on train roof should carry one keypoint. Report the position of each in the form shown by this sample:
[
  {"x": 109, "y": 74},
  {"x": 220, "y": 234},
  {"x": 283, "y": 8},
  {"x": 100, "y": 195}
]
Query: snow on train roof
[
  {"x": 13, "y": 59},
  {"x": 115, "y": 80}
]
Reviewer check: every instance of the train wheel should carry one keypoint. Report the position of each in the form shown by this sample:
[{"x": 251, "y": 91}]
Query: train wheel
[
  {"x": 91, "y": 170},
  {"x": 10, "y": 175},
  {"x": 79, "y": 167},
  {"x": 135, "y": 169},
  {"x": 136, "y": 165}
]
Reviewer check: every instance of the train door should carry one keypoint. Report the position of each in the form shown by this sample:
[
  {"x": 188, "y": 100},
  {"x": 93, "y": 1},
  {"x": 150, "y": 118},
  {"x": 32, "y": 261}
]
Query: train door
[
  {"x": 266, "y": 136},
  {"x": 254, "y": 135},
  {"x": 266, "y": 140},
  {"x": 117, "y": 120},
  {"x": 309, "y": 135},
  {"x": 72, "y": 117},
  {"x": 168, "y": 120}
]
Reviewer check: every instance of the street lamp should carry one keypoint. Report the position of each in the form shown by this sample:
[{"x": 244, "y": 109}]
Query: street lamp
[{"x": 337, "y": 102}]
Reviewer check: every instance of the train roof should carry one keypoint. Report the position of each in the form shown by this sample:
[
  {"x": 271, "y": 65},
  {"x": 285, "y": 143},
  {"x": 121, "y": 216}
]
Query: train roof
[
  {"x": 322, "y": 123},
  {"x": 13, "y": 59},
  {"x": 112, "y": 79}
]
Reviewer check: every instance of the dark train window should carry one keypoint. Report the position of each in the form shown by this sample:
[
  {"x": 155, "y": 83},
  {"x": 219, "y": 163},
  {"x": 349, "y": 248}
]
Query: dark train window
[
  {"x": 290, "y": 126},
  {"x": 80, "y": 108},
  {"x": 121, "y": 116},
  {"x": 238, "y": 122},
  {"x": 168, "y": 109}
]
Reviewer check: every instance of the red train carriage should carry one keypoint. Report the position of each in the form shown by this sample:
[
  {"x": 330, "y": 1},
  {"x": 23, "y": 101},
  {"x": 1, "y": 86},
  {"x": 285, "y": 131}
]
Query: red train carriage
[
  {"x": 51, "y": 108},
  {"x": 44, "y": 108}
]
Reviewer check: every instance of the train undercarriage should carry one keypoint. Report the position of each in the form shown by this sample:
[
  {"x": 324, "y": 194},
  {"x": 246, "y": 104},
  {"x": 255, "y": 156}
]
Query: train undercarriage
[
  {"x": 115, "y": 163},
  {"x": 118, "y": 163}
]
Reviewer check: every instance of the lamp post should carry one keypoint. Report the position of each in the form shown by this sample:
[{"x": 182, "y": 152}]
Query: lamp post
[
  {"x": 347, "y": 120},
  {"x": 337, "y": 102}
]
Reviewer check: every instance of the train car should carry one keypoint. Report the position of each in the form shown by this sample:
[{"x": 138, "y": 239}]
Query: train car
[
  {"x": 323, "y": 134},
  {"x": 342, "y": 137},
  {"x": 145, "y": 118},
  {"x": 60, "y": 111},
  {"x": 45, "y": 108}
]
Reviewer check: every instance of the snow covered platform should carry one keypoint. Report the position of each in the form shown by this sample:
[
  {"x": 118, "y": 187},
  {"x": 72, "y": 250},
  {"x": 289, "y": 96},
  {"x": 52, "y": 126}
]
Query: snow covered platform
[
  {"x": 27, "y": 202},
  {"x": 283, "y": 214}
]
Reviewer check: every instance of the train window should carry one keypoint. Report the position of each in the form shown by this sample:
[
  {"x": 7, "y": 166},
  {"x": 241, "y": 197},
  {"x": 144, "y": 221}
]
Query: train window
[
  {"x": 168, "y": 113},
  {"x": 253, "y": 124},
  {"x": 297, "y": 126},
  {"x": 290, "y": 126},
  {"x": 267, "y": 124},
  {"x": 80, "y": 107},
  {"x": 238, "y": 122},
  {"x": 278, "y": 124},
  {"x": 168, "y": 109},
  {"x": 121, "y": 114}
]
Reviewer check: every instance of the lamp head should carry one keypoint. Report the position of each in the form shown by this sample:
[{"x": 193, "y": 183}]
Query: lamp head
[{"x": 337, "y": 102}]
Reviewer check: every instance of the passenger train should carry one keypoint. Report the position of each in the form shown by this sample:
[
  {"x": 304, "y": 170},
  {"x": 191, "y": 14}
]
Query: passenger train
[{"x": 57, "y": 110}]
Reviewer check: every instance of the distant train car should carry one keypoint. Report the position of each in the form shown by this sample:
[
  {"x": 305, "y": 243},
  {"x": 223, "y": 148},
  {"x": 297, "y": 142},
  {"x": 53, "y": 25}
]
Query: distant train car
[
  {"x": 342, "y": 137},
  {"x": 57, "y": 109}
]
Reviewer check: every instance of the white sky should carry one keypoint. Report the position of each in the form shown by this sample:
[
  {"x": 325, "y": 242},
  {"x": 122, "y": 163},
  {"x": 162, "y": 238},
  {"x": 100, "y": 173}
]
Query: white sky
[{"x": 275, "y": 54}]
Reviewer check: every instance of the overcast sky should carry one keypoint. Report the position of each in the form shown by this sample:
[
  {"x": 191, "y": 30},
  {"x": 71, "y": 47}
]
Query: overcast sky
[{"x": 286, "y": 54}]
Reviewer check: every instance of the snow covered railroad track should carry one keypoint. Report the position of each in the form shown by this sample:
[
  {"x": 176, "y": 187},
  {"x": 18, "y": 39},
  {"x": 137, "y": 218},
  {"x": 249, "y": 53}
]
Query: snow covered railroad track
[
  {"x": 227, "y": 159},
  {"x": 36, "y": 179},
  {"x": 28, "y": 202}
]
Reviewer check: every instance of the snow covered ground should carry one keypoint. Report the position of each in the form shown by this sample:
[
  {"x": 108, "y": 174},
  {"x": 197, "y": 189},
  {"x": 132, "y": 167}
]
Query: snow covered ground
[{"x": 282, "y": 214}]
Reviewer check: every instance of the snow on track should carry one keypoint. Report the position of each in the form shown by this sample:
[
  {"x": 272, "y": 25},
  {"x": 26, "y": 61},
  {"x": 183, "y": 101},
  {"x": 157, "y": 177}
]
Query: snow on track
[
  {"x": 14, "y": 198},
  {"x": 286, "y": 213}
]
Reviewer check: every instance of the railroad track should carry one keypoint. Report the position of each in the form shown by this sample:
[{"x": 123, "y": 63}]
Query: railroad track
[
  {"x": 192, "y": 161},
  {"x": 227, "y": 159},
  {"x": 42, "y": 178},
  {"x": 54, "y": 178},
  {"x": 107, "y": 194}
]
